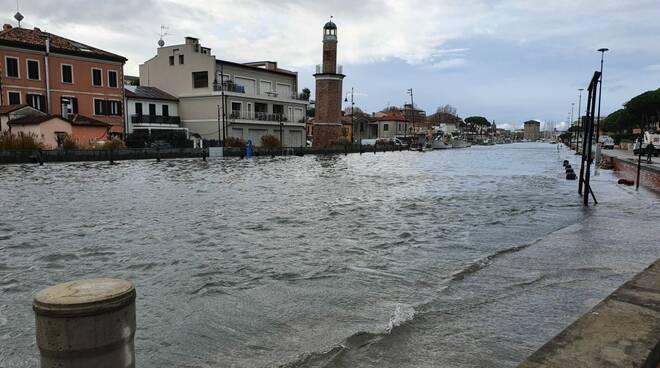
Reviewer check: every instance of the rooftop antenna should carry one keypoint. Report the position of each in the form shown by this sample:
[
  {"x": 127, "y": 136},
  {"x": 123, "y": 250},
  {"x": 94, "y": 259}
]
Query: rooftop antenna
[
  {"x": 18, "y": 16},
  {"x": 163, "y": 33}
]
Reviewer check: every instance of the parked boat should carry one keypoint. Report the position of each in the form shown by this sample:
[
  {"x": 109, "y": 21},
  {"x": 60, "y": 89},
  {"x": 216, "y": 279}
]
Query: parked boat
[
  {"x": 439, "y": 143},
  {"x": 458, "y": 143}
]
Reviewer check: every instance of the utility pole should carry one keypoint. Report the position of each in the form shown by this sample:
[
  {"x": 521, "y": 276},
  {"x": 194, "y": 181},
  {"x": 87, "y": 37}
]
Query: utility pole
[
  {"x": 222, "y": 96},
  {"x": 281, "y": 135}
]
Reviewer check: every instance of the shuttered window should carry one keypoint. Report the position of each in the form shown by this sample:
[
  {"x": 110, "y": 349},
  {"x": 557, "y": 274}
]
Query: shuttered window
[
  {"x": 12, "y": 67},
  {"x": 67, "y": 74},
  {"x": 112, "y": 79},
  {"x": 33, "y": 69},
  {"x": 200, "y": 79},
  {"x": 97, "y": 77}
]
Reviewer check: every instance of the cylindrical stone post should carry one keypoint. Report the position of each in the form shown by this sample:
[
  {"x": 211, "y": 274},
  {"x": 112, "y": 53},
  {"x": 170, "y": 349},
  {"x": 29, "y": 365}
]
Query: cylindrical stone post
[{"x": 86, "y": 323}]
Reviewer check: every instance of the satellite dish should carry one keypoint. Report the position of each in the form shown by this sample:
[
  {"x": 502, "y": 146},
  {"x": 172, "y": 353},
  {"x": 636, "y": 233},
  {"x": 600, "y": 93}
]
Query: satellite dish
[{"x": 161, "y": 43}]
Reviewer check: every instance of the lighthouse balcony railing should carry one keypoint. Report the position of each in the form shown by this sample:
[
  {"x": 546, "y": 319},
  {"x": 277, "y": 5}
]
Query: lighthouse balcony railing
[{"x": 321, "y": 70}]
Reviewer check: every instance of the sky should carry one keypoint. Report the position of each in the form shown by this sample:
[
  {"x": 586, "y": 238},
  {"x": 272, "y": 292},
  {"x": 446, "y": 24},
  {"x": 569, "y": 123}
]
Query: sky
[{"x": 509, "y": 61}]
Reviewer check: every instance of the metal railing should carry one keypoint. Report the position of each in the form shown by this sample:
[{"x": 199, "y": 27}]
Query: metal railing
[
  {"x": 155, "y": 119},
  {"x": 263, "y": 116}
]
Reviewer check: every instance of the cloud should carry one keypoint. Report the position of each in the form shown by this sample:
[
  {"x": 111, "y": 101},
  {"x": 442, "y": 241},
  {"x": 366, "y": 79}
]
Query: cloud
[
  {"x": 448, "y": 64},
  {"x": 652, "y": 68}
]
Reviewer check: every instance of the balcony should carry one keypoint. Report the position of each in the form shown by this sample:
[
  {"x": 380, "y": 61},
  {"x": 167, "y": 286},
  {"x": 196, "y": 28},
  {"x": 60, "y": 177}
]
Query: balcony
[
  {"x": 155, "y": 120},
  {"x": 228, "y": 86},
  {"x": 259, "y": 116}
]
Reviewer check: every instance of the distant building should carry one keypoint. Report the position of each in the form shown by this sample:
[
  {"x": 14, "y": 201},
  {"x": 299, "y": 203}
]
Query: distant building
[
  {"x": 416, "y": 117},
  {"x": 259, "y": 97},
  {"x": 391, "y": 125},
  {"x": 80, "y": 80},
  {"x": 532, "y": 130},
  {"x": 329, "y": 79}
]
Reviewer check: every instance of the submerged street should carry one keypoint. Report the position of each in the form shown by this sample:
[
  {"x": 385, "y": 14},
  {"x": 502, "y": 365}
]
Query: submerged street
[{"x": 456, "y": 258}]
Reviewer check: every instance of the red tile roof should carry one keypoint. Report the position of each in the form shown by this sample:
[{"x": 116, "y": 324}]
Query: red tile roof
[
  {"x": 79, "y": 120},
  {"x": 34, "y": 39},
  {"x": 392, "y": 117},
  {"x": 147, "y": 93},
  {"x": 10, "y": 108}
]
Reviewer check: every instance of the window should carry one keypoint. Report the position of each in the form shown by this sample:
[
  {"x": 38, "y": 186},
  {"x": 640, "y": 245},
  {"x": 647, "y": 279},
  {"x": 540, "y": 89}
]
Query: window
[
  {"x": 12, "y": 67},
  {"x": 152, "y": 109},
  {"x": 112, "y": 78},
  {"x": 180, "y": 59},
  {"x": 278, "y": 109},
  {"x": 99, "y": 107},
  {"x": 33, "y": 69},
  {"x": 114, "y": 108},
  {"x": 69, "y": 105},
  {"x": 37, "y": 101},
  {"x": 67, "y": 73},
  {"x": 14, "y": 98},
  {"x": 97, "y": 77},
  {"x": 166, "y": 110},
  {"x": 200, "y": 79},
  {"x": 138, "y": 108},
  {"x": 172, "y": 60},
  {"x": 386, "y": 127},
  {"x": 103, "y": 107}
]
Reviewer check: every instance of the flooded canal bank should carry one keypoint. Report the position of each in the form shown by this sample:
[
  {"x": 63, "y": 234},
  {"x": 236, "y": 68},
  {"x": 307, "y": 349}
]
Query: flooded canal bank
[{"x": 459, "y": 258}]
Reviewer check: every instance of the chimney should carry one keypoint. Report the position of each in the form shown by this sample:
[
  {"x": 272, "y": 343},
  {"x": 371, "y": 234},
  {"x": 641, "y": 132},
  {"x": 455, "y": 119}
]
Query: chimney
[
  {"x": 6, "y": 27},
  {"x": 37, "y": 30},
  {"x": 271, "y": 65}
]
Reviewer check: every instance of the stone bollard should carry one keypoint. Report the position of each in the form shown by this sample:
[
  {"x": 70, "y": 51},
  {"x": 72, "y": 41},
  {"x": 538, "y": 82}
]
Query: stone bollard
[{"x": 86, "y": 323}]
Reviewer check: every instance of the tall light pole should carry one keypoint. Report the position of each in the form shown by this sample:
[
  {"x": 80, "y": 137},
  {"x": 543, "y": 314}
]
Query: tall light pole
[
  {"x": 352, "y": 115},
  {"x": 571, "y": 121},
  {"x": 412, "y": 109},
  {"x": 577, "y": 140},
  {"x": 600, "y": 90}
]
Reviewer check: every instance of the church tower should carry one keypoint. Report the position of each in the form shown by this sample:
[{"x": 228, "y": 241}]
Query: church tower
[{"x": 327, "y": 118}]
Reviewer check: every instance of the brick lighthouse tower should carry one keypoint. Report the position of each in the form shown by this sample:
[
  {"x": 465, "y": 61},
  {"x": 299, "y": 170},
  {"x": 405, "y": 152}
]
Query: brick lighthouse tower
[{"x": 327, "y": 123}]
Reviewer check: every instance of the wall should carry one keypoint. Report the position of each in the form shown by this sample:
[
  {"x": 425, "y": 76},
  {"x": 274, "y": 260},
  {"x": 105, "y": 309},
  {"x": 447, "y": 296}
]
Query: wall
[
  {"x": 45, "y": 131},
  {"x": 86, "y": 136},
  {"x": 81, "y": 88},
  {"x": 649, "y": 177},
  {"x": 177, "y": 79}
]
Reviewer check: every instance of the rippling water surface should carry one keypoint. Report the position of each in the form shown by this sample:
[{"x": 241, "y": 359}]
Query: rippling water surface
[{"x": 372, "y": 260}]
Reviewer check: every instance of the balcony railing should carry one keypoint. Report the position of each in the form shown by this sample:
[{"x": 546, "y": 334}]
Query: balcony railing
[
  {"x": 237, "y": 88},
  {"x": 262, "y": 116},
  {"x": 228, "y": 87},
  {"x": 321, "y": 70},
  {"x": 155, "y": 119}
]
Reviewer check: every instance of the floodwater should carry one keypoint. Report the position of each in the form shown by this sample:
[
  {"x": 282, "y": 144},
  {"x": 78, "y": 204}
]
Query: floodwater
[{"x": 455, "y": 258}]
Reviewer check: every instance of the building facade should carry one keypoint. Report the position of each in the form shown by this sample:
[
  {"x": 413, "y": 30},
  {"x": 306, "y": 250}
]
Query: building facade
[
  {"x": 532, "y": 130},
  {"x": 61, "y": 77},
  {"x": 219, "y": 98},
  {"x": 329, "y": 79},
  {"x": 391, "y": 125}
]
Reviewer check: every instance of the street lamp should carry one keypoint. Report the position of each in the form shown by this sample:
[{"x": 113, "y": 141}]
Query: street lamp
[
  {"x": 577, "y": 139},
  {"x": 571, "y": 121},
  {"x": 600, "y": 91},
  {"x": 352, "y": 115},
  {"x": 412, "y": 109}
]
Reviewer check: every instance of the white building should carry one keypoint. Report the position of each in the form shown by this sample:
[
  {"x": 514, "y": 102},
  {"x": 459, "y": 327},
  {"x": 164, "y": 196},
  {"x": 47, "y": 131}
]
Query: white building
[
  {"x": 259, "y": 97},
  {"x": 150, "y": 109}
]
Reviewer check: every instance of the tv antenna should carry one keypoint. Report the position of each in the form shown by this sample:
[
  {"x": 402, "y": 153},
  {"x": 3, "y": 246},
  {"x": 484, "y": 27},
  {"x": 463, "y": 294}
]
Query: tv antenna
[
  {"x": 18, "y": 16},
  {"x": 163, "y": 33}
]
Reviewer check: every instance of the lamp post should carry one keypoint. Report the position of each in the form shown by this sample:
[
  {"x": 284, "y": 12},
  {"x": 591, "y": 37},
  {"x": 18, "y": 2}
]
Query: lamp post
[
  {"x": 600, "y": 91},
  {"x": 352, "y": 116},
  {"x": 577, "y": 139},
  {"x": 412, "y": 110},
  {"x": 571, "y": 121}
]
